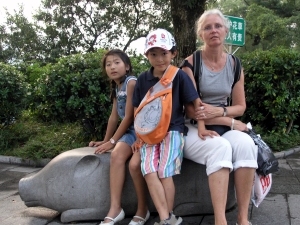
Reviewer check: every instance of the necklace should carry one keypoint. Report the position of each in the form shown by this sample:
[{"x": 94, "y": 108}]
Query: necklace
[{"x": 208, "y": 63}]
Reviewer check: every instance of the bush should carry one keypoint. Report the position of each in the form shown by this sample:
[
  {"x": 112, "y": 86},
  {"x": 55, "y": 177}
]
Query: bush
[
  {"x": 272, "y": 87},
  {"x": 30, "y": 139},
  {"x": 12, "y": 94},
  {"x": 76, "y": 89}
]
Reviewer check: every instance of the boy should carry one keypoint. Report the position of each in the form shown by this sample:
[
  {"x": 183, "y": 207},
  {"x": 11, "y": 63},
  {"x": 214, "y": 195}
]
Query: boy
[{"x": 161, "y": 161}]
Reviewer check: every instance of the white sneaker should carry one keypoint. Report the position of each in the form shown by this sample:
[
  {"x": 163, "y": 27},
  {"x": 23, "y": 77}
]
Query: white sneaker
[{"x": 172, "y": 221}]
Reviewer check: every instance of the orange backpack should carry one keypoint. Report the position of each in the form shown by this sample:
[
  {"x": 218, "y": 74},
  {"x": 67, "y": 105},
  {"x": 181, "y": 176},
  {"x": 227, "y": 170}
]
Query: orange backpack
[{"x": 153, "y": 116}]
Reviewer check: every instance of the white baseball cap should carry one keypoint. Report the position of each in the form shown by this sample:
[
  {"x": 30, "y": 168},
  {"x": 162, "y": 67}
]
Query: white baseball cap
[{"x": 159, "y": 38}]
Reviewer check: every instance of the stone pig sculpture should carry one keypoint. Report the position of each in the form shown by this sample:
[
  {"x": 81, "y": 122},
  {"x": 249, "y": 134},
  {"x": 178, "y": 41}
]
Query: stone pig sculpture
[{"x": 76, "y": 184}]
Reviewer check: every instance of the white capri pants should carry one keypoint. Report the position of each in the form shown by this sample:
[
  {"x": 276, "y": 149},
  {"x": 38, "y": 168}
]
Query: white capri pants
[{"x": 233, "y": 150}]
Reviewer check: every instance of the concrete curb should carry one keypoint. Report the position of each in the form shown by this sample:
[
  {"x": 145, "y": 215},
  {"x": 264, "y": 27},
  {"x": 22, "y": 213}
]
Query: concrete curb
[
  {"x": 24, "y": 162},
  {"x": 44, "y": 162},
  {"x": 284, "y": 154}
]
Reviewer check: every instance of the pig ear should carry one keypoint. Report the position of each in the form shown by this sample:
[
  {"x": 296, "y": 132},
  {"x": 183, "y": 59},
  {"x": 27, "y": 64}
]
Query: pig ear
[{"x": 86, "y": 166}]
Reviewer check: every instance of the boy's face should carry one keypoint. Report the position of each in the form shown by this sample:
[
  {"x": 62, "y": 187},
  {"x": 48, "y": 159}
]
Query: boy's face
[{"x": 160, "y": 59}]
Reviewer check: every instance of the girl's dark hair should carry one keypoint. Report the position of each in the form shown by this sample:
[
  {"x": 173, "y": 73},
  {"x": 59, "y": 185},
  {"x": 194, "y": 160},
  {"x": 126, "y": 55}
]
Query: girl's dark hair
[{"x": 126, "y": 60}]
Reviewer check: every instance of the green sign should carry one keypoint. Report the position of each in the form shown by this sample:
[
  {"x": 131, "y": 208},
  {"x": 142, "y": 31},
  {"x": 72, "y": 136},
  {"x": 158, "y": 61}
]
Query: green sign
[{"x": 236, "y": 34}]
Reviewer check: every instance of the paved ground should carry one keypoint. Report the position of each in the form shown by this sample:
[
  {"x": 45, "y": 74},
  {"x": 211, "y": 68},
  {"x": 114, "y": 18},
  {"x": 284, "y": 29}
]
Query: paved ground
[{"x": 280, "y": 207}]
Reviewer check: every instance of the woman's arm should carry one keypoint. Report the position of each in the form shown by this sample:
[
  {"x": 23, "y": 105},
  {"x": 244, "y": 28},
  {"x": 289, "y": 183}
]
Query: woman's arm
[{"x": 238, "y": 106}]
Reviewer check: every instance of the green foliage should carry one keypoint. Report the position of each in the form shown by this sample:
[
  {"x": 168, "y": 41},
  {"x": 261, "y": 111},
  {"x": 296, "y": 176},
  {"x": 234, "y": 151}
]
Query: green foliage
[
  {"x": 269, "y": 27},
  {"x": 73, "y": 89},
  {"x": 268, "y": 23},
  {"x": 76, "y": 89},
  {"x": 12, "y": 93},
  {"x": 20, "y": 39},
  {"x": 31, "y": 139},
  {"x": 139, "y": 64},
  {"x": 60, "y": 28},
  {"x": 272, "y": 88},
  {"x": 279, "y": 141}
]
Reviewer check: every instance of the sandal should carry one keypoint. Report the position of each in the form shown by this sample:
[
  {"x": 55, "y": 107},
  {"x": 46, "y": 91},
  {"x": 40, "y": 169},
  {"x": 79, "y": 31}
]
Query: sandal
[
  {"x": 118, "y": 218},
  {"x": 141, "y": 221}
]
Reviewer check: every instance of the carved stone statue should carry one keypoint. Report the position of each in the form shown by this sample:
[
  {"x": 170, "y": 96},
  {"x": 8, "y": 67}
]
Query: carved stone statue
[{"x": 76, "y": 184}]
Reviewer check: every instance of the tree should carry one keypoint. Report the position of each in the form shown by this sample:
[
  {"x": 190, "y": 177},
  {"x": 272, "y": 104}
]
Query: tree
[
  {"x": 85, "y": 25},
  {"x": 184, "y": 15},
  {"x": 19, "y": 39},
  {"x": 65, "y": 27},
  {"x": 268, "y": 23}
]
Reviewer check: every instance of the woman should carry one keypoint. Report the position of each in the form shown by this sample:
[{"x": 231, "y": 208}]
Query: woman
[{"x": 233, "y": 150}]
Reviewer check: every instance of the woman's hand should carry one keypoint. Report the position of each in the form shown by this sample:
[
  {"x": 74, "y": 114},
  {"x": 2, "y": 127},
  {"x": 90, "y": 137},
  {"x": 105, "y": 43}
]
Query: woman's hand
[
  {"x": 206, "y": 111},
  {"x": 104, "y": 148},
  {"x": 239, "y": 125}
]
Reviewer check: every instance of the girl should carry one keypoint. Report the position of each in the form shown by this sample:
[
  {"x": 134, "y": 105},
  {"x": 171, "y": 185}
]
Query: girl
[{"x": 117, "y": 66}]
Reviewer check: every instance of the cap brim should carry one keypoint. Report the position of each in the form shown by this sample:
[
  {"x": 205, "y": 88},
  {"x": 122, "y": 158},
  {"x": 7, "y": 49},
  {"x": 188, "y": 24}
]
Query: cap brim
[{"x": 163, "y": 47}]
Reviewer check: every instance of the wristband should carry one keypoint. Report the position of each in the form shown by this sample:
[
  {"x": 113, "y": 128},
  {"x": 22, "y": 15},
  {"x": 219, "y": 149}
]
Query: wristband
[{"x": 232, "y": 124}]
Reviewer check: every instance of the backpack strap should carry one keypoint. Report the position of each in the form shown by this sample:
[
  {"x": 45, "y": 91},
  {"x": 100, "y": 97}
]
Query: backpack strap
[
  {"x": 197, "y": 71},
  {"x": 237, "y": 70},
  {"x": 169, "y": 75},
  {"x": 166, "y": 79},
  {"x": 186, "y": 63}
]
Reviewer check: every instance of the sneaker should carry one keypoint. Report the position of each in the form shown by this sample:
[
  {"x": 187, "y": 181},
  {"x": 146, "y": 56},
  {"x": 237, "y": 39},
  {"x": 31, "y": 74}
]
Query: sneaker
[{"x": 172, "y": 220}]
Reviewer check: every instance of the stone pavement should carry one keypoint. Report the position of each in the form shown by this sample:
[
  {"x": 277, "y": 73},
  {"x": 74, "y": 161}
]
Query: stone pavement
[{"x": 280, "y": 207}]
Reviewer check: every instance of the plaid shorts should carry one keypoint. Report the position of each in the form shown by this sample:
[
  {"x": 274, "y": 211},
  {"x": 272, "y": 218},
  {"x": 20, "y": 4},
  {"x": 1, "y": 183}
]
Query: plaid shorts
[{"x": 165, "y": 158}]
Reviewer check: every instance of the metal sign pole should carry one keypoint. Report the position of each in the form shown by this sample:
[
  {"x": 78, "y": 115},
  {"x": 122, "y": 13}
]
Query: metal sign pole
[{"x": 230, "y": 49}]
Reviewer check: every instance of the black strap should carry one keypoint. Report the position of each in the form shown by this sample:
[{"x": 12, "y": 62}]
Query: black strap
[
  {"x": 197, "y": 71},
  {"x": 237, "y": 70},
  {"x": 185, "y": 63}
]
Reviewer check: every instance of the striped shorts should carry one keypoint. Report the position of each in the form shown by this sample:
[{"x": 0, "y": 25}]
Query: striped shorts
[{"x": 165, "y": 158}]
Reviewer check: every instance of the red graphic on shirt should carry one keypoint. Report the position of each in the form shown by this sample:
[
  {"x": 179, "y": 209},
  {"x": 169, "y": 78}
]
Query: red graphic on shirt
[
  {"x": 163, "y": 36},
  {"x": 152, "y": 39}
]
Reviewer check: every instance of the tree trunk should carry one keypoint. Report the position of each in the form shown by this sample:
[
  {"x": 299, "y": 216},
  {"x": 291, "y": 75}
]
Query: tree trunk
[{"x": 184, "y": 15}]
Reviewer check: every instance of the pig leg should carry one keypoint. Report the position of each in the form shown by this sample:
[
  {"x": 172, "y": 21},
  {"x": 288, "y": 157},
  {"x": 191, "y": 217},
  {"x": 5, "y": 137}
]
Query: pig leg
[{"x": 81, "y": 214}]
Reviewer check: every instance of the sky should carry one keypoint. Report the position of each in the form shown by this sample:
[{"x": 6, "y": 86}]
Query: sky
[{"x": 31, "y": 5}]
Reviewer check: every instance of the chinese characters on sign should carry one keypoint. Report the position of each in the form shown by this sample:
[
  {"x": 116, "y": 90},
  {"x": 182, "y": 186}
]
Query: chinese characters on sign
[{"x": 236, "y": 34}]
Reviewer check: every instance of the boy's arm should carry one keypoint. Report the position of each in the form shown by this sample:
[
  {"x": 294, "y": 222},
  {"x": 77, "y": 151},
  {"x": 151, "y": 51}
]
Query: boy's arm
[
  {"x": 202, "y": 132},
  {"x": 138, "y": 142}
]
